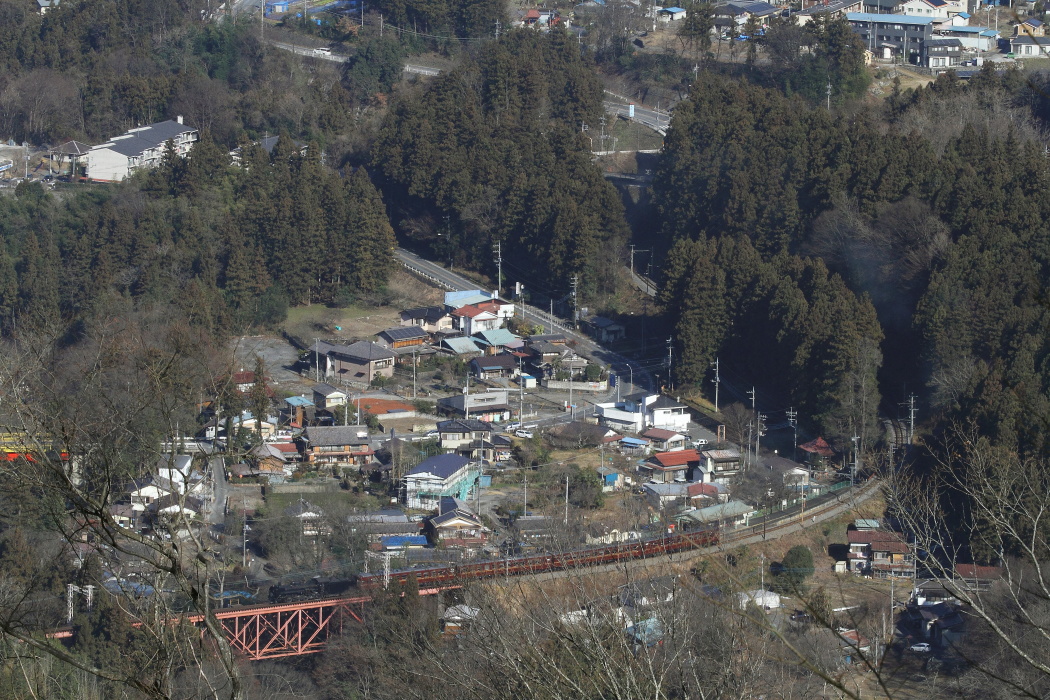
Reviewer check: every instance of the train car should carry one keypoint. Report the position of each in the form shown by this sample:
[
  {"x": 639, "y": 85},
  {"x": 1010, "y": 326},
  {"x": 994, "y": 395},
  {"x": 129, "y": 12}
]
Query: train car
[
  {"x": 333, "y": 586},
  {"x": 294, "y": 592}
]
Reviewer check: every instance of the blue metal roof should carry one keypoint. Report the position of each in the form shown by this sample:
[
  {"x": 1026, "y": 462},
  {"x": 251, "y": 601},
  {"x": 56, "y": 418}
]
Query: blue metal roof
[
  {"x": 460, "y": 346},
  {"x": 637, "y": 442},
  {"x": 441, "y": 466},
  {"x": 891, "y": 19},
  {"x": 298, "y": 401}
]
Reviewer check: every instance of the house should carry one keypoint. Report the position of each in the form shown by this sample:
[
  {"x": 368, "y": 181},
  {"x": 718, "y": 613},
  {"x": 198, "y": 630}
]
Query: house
[
  {"x": 358, "y": 362},
  {"x": 742, "y": 10},
  {"x": 310, "y": 518},
  {"x": 44, "y": 5},
  {"x": 495, "y": 366},
  {"x": 457, "y": 433},
  {"x": 386, "y": 407},
  {"x": 497, "y": 340},
  {"x": 457, "y": 618},
  {"x": 930, "y": 8},
  {"x": 138, "y": 148},
  {"x": 720, "y": 466},
  {"x": 143, "y": 492},
  {"x": 892, "y": 35},
  {"x": 818, "y": 451},
  {"x": 341, "y": 444},
  {"x": 632, "y": 445},
  {"x": 175, "y": 471},
  {"x": 880, "y": 553},
  {"x": 491, "y": 406},
  {"x": 533, "y": 528},
  {"x": 124, "y": 515},
  {"x": 670, "y": 14},
  {"x": 649, "y": 592},
  {"x": 277, "y": 7},
  {"x": 475, "y": 318},
  {"x": 460, "y": 346},
  {"x": 665, "y": 440},
  {"x": 1026, "y": 47},
  {"x": 973, "y": 38},
  {"x": 834, "y": 10},
  {"x": 977, "y": 578},
  {"x": 299, "y": 410},
  {"x": 174, "y": 506},
  {"x": 660, "y": 495},
  {"x": 401, "y": 337},
  {"x": 1030, "y": 27},
  {"x": 603, "y": 329},
  {"x": 327, "y": 397},
  {"x": 612, "y": 480},
  {"x": 432, "y": 319},
  {"x": 668, "y": 467},
  {"x": 456, "y": 525},
  {"x": 271, "y": 462},
  {"x": 380, "y": 524},
  {"x": 437, "y": 476},
  {"x": 941, "y": 54},
  {"x": 640, "y": 411}
]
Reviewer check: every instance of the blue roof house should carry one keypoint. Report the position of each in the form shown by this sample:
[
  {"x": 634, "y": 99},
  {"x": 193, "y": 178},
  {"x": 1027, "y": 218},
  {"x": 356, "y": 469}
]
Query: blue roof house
[{"x": 437, "y": 477}]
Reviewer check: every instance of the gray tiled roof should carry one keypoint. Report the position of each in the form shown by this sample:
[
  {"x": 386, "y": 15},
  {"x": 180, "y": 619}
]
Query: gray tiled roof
[{"x": 153, "y": 136}]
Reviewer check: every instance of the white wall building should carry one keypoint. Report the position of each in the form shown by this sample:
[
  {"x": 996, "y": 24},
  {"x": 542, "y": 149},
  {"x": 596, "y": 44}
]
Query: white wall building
[
  {"x": 640, "y": 411},
  {"x": 142, "y": 147}
]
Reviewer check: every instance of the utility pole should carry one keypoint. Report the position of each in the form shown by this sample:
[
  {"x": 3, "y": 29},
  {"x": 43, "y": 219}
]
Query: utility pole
[
  {"x": 262, "y": 16},
  {"x": 717, "y": 380},
  {"x": 602, "y": 122},
  {"x": 758, "y": 439},
  {"x": 853, "y": 473},
  {"x": 829, "y": 95},
  {"x": 911, "y": 418},
  {"x": 792, "y": 416},
  {"x": 413, "y": 372},
  {"x": 385, "y": 556},
  {"x": 575, "y": 307},
  {"x": 750, "y": 423},
  {"x": 521, "y": 396},
  {"x": 499, "y": 246},
  {"x": 670, "y": 346},
  {"x": 317, "y": 360},
  {"x": 566, "y": 499},
  {"x": 525, "y": 509}
]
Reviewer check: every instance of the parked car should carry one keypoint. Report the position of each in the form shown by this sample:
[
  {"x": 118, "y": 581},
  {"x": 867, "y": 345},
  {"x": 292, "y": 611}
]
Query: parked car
[
  {"x": 323, "y": 52},
  {"x": 920, "y": 648},
  {"x": 523, "y": 434}
]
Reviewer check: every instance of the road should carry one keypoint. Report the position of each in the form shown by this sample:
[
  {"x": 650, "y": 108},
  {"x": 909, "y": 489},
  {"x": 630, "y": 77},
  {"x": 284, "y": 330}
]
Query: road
[
  {"x": 655, "y": 119},
  {"x": 551, "y": 324},
  {"x": 340, "y": 58},
  {"x": 217, "y": 514}
]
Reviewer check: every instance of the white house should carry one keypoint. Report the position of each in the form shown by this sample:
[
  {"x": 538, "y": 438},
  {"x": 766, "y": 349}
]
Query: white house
[
  {"x": 640, "y": 411},
  {"x": 671, "y": 14},
  {"x": 142, "y": 147},
  {"x": 439, "y": 476}
]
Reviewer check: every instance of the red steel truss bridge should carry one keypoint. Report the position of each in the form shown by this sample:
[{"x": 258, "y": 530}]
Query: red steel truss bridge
[{"x": 289, "y": 629}]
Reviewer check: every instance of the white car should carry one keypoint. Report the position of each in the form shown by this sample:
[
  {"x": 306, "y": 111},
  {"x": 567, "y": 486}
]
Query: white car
[
  {"x": 323, "y": 52},
  {"x": 920, "y": 648},
  {"x": 513, "y": 426},
  {"x": 523, "y": 434}
]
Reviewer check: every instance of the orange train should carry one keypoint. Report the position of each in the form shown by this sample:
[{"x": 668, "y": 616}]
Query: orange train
[{"x": 548, "y": 562}]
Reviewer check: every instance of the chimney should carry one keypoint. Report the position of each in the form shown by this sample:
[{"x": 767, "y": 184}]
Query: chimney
[{"x": 179, "y": 119}]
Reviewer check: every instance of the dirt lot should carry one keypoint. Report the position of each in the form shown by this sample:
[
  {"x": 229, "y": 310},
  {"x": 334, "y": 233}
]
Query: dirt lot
[{"x": 357, "y": 322}]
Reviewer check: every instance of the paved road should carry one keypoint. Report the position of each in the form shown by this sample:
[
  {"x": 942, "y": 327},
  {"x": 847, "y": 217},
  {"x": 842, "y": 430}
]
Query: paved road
[
  {"x": 340, "y": 58},
  {"x": 217, "y": 514},
  {"x": 657, "y": 120},
  {"x": 584, "y": 345}
]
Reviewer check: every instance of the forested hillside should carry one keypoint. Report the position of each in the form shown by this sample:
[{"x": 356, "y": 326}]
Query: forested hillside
[
  {"x": 941, "y": 226},
  {"x": 231, "y": 247},
  {"x": 496, "y": 148}
]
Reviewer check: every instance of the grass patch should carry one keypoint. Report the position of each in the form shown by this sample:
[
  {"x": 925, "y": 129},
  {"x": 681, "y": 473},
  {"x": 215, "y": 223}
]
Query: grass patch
[{"x": 629, "y": 136}]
